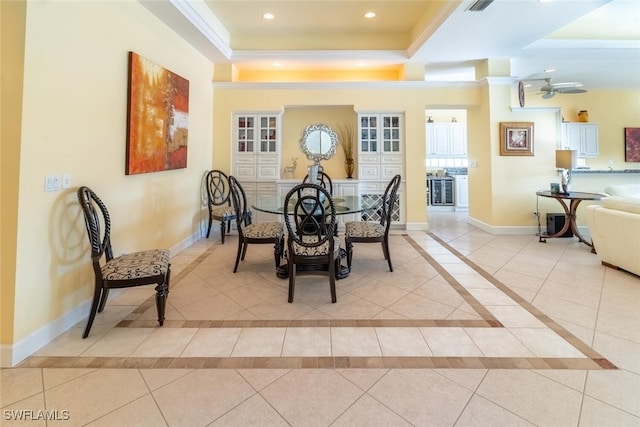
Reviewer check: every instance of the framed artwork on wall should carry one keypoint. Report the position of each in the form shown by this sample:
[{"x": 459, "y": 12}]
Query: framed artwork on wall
[
  {"x": 157, "y": 118},
  {"x": 632, "y": 144},
  {"x": 516, "y": 139}
]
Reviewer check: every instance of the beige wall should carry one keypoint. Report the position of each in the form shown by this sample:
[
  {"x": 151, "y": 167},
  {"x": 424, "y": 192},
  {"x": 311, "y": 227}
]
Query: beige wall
[{"x": 74, "y": 121}]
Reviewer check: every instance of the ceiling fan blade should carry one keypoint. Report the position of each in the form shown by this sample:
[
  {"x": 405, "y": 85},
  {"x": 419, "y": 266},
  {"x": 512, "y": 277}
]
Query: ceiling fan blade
[{"x": 569, "y": 90}]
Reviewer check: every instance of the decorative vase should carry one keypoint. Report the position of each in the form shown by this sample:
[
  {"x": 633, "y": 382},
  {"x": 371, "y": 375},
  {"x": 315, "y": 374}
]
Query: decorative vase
[
  {"x": 349, "y": 167},
  {"x": 583, "y": 116}
]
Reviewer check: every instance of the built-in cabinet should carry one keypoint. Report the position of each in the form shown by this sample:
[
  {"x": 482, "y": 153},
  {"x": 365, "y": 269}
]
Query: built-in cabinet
[
  {"x": 380, "y": 158},
  {"x": 447, "y": 139},
  {"x": 582, "y": 137},
  {"x": 256, "y": 155}
]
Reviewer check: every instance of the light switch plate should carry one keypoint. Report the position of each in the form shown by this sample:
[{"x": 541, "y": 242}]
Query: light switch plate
[{"x": 51, "y": 183}]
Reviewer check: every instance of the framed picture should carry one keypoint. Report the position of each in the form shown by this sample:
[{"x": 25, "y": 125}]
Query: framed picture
[
  {"x": 632, "y": 144},
  {"x": 157, "y": 117},
  {"x": 516, "y": 139}
]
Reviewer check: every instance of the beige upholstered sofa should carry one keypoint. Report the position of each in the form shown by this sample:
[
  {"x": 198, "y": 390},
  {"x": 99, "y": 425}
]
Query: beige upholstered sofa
[{"x": 614, "y": 226}]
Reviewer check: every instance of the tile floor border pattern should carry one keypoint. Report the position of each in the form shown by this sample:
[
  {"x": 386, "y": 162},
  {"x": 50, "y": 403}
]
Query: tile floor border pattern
[
  {"x": 592, "y": 361},
  {"x": 555, "y": 327}
]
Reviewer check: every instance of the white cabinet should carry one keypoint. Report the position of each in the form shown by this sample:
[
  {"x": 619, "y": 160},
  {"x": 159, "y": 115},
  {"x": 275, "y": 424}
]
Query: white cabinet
[
  {"x": 256, "y": 142},
  {"x": 462, "y": 192},
  {"x": 256, "y": 156},
  {"x": 582, "y": 137},
  {"x": 380, "y": 155},
  {"x": 446, "y": 139}
]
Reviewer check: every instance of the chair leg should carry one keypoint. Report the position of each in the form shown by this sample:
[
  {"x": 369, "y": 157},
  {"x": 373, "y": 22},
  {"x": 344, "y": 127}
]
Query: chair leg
[
  {"x": 277, "y": 250},
  {"x": 209, "y": 228},
  {"x": 240, "y": 251},
  {"x": 292, "y": 279},
  {"x": 332, "y": 278},
  {"x": 94, "y": 309},
  {"x": 103, "y": 299},
  {"x": 162, "y": 291},
  {"x": 349, "y": 248},
  {"x": 222, "y": 227},
  {"x": 385, "y": 248}
]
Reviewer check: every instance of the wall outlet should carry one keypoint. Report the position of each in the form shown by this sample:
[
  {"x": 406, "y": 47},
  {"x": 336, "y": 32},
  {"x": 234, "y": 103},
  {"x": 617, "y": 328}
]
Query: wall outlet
[
  {"x": 66, "y": 180},
  {"x": 473, "y": 163}
]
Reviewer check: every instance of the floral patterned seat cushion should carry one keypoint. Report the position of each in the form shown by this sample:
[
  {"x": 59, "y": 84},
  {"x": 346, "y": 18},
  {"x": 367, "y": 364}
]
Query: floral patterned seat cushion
[
  {"x": 364, "y": 229},
  {"x": 137, "y": 265},
  {"x": 323, "y": 249},
  {"x": 264, "y": 230},
  {"x": 224, "y": 212}
]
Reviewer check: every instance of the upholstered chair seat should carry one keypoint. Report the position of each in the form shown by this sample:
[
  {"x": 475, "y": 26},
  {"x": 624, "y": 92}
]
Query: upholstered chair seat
[
  {"x": 364, "y": 229},
  {"x": 264, "y": 230},
  {"x": 322, "y": 249},
  {"x": 137, "y": 265}
]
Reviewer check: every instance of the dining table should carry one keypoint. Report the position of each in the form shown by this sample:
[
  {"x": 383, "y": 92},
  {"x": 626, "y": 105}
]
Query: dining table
[{"x": 345, "y": 205}]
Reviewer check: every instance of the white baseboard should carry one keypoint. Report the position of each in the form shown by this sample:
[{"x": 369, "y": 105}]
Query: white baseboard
[
  {"x": 11, "y": 355},
  {"x": 416, "y": 226}
]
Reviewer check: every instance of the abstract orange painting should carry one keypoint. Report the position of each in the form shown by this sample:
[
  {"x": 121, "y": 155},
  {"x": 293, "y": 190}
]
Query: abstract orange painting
[{"x": 157, "y": 118}]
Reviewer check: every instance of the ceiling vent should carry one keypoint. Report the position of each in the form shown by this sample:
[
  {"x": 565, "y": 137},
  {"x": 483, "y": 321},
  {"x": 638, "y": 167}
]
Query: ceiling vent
[{"x": 480, "y": 5}]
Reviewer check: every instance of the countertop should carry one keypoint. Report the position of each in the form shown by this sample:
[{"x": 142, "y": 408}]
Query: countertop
[{"x": 609, "y": 171}]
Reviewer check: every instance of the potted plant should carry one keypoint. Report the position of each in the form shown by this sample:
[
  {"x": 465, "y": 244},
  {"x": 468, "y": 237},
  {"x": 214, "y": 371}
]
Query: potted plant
[{"x": 345, "y": 137}]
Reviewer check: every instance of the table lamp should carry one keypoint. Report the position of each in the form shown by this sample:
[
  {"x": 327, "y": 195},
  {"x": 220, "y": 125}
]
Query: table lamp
[{"x": 566, "y": 160}]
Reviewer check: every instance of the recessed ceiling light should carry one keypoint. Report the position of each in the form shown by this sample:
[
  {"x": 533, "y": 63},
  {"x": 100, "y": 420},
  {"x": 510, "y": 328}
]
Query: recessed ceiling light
[
  {"x": 268, "y": 16},
  {"x": 549, "y": 70},
  {"x": 361, "y": 64},
  {"x": 277, "y": 64},
  {"x": 370, "y": 15}
]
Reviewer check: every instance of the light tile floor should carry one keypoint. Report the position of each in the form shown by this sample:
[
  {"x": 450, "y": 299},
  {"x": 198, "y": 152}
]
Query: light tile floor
[{"x": 471, "y": 329}]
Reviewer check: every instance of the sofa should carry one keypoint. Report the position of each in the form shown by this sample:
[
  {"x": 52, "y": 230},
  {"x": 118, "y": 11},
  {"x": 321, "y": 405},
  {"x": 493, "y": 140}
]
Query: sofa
[{"x": 614, "y": 226}]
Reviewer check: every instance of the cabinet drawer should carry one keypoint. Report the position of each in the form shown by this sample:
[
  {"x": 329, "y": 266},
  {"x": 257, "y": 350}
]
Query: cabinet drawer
[
  {"x": 369, "y": 171},
  {"x": 245, "y": 159},
  {"x": 245, "y": 172},
  {"x": 266, "y": 188},
  {"x": 387, "y": 158},
  {"x": 267, "y": 159},
  {"x": 369, "y": 186},
  {"x": 391, "y": 170},
  {"x": 267, "y": 171},
  {"x": 368, "y": 158}
]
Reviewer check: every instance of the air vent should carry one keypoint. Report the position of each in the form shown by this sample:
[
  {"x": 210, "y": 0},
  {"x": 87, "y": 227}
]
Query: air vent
[{"x": 480, "y": 5}]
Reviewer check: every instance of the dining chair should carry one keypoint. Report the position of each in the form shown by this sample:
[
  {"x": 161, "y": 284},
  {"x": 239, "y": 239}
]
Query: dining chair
[
  {"x": 150, "y": 267},
  {"x": 324, "y": 180},
  {"x": 374, "y": 231},
  {"x": 219, "y": 202},
  {"x": 258, "y": 233},
  {"x": 310, "y": 218}
]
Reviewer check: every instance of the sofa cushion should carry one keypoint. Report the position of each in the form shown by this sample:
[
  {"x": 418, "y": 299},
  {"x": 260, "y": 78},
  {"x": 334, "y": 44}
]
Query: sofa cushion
[
  {"x": 626, "y": 204},
  {"x": 628, "y": 190}
]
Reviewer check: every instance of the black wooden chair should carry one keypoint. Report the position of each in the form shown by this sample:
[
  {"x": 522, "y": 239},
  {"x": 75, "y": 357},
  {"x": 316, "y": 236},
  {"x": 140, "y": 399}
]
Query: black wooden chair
[
  {"x": 310, "y": 217},
  {"x": 324, "y": 180},
  {"x": 259, "y": 233},
  {"x": 149, "y": 267},
  {"x": 372, "y": 231},
  {"x": 219, "y": 202}
]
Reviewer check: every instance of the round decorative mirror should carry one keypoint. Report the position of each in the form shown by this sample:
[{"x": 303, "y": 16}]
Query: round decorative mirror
[{"x": 319, "y": 142}]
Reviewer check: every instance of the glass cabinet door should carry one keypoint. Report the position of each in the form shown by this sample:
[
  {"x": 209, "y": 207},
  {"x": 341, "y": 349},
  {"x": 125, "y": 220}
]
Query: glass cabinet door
[
  {"x": 368, "y": 134},
  {"x": 245, "y": 128},
  {"x": 268, "y": 134},
  {"x": 391, "y": 134}
]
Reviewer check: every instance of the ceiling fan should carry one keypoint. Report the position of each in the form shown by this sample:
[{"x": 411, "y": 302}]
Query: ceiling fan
[{"x": 549, "y": 90}]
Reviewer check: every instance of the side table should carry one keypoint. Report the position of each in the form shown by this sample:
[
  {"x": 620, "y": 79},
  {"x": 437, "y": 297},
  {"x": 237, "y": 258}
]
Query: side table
[{"x": 574, "y": 198}]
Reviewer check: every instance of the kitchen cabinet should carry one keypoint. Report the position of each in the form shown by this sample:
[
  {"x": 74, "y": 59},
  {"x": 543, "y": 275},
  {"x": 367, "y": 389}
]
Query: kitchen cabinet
[
  {"x": 582, "y": 137},
  {"x": 446, "y": 139},
  {"x": 462, "y": 192}
]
